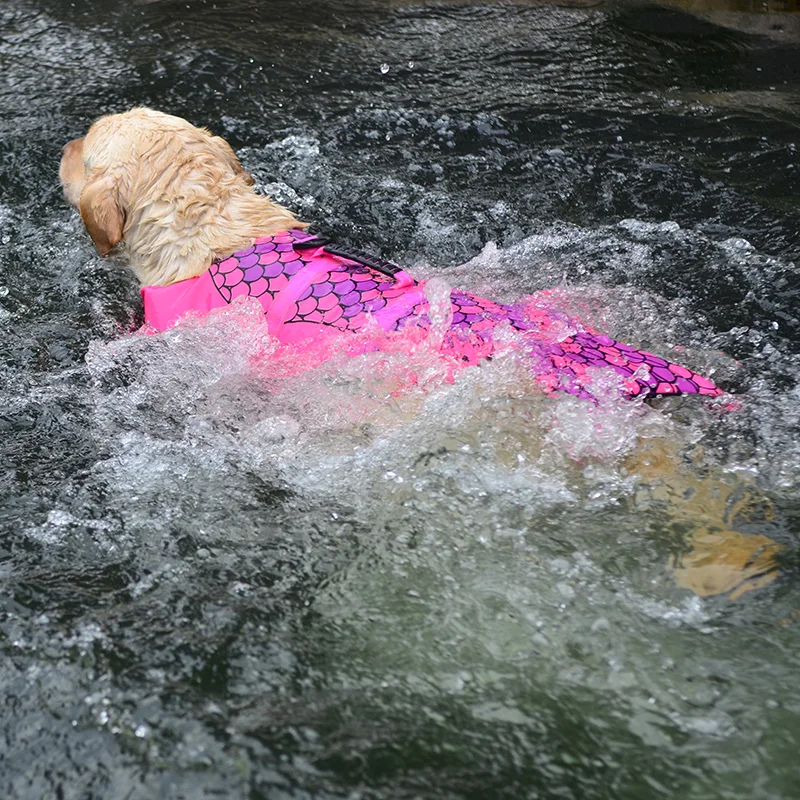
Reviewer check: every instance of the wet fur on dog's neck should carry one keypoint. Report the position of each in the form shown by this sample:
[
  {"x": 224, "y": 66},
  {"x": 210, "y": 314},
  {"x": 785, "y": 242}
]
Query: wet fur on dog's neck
[{"x": 165, "y": 243}]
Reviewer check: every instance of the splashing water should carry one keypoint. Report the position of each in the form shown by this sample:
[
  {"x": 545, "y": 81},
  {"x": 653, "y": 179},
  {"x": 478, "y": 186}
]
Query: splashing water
[{"x": 232, "y": 569}]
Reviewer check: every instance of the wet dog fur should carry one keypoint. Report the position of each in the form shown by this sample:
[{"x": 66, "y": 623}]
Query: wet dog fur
[{"x": 169, "y": 196}]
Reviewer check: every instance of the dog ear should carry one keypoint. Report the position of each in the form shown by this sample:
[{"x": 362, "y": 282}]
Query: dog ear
[
  {"x": 249, "y": 179},
  {"x": 233, "y": 161},
  {"x": 102, "y": 213}
]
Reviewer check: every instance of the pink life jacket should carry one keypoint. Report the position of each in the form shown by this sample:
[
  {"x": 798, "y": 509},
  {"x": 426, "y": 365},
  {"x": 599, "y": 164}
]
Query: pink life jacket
[{"x": 308, "y": 288}]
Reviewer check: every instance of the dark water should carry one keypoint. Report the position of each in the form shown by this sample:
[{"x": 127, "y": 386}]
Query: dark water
[{"x": 228, "y": 580}]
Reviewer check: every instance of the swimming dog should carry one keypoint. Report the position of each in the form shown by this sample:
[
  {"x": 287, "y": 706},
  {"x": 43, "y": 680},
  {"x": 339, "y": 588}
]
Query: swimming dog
[
  {"x": 173, "y": 202},
  {"x": 176, "y": 204}
]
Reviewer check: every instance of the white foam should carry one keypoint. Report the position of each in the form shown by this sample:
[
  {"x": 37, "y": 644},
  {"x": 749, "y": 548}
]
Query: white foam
[{"x": 508, "y": 515}]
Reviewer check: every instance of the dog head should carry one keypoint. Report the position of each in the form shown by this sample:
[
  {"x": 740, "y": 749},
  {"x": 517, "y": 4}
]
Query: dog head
[{"x": 175, "y": 195}]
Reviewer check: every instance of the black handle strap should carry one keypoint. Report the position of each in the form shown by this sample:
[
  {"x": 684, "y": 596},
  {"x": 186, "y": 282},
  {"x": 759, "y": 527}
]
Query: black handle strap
[{"x": 382, "y": 265}]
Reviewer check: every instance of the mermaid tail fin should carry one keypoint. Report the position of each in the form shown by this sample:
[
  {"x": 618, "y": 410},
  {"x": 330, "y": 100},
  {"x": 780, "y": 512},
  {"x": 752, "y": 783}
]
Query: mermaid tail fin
[{"x": 644, "y": 374}]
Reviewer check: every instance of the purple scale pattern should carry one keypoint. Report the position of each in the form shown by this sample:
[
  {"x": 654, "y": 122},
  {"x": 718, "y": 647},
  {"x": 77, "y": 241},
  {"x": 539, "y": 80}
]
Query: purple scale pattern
[
  {"x": 343, "y": 296},
  {"x": 335, "y": 298}
]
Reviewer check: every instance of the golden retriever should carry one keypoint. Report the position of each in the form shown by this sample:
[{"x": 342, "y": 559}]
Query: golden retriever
[
  {"x": 170, "y": 198},
  {"x": 175, "y": 195}
]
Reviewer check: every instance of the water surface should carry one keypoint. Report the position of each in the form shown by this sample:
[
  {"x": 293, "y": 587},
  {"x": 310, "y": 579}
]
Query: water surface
[{"x": 224, "y": 575}]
